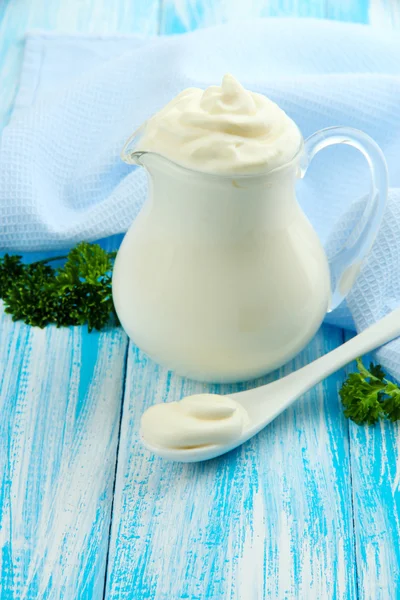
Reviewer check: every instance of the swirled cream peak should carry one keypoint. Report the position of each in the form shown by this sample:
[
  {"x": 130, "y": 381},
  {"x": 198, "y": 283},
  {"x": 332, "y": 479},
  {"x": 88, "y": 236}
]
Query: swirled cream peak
[
  {"x": 223, "y": 129},
  {"x": 200, "y": 420}
]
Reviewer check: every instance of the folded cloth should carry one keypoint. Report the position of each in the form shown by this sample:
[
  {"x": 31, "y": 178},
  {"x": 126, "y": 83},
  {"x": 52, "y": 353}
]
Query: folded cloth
[{"x": 61, "y": 178}]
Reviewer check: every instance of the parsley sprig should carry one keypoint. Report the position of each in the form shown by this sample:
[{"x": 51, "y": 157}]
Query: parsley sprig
[
  {"x": 76, "y": 293},
  {"x": 367, "y": 396}
]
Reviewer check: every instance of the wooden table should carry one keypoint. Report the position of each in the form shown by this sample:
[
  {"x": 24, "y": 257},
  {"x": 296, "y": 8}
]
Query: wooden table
[{"x": 309, "y": 509}]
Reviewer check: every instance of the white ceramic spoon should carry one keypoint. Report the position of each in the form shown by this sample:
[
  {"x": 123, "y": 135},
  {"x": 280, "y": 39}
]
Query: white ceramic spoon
[{"x": 265, "y": 403}]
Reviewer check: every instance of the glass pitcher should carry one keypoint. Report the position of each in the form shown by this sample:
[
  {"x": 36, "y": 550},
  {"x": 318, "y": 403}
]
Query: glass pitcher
[{"x": 221, "y": 277}]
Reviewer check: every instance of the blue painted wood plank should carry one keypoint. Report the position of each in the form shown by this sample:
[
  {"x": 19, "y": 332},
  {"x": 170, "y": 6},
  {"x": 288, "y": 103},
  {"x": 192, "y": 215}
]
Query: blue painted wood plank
[
  {"x": 375, "y": 464},
  {"x": 376, "y": 476},
  {"x": 60, "y": 399},
  {"x": 375, "y": 468},
  {"x": 60, "y": 390},
  {"x": 185, "y": 15},
  {"x": 272, "y": 519},
  {"x": 353, "y": 11}
]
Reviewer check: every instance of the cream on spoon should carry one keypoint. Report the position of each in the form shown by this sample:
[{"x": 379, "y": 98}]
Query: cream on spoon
[
  {"x": 188, "y": 431},
  {"x": 195, "y": 421}
]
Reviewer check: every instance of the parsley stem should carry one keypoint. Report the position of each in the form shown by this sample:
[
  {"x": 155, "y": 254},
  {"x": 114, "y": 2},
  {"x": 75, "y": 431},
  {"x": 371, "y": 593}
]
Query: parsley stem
[{"x": 46, "y": 260}]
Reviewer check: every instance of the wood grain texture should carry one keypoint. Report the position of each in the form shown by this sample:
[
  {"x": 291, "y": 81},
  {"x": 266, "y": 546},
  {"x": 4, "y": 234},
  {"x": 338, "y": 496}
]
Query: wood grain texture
[
  {"x": 375, "y": 460},
  {"x": 185, "y": 15},
  {"x": 60, "y": 399},
  {"x": 352, "y": 11},
  {"x": 60, "y": 390},
  {"x": 375, "y": 467},
  {"x": 272, "y": 519},
  {"x": 84, "y": 16}
]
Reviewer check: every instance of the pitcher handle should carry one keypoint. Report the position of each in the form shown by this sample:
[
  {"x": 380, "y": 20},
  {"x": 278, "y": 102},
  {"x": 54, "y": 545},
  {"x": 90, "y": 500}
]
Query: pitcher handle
[{"x": 345, "y": 265}]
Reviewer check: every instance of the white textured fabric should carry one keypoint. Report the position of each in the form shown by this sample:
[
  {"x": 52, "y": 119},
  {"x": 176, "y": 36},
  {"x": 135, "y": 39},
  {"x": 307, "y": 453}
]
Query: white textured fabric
[{"x": 61, "y": 179}]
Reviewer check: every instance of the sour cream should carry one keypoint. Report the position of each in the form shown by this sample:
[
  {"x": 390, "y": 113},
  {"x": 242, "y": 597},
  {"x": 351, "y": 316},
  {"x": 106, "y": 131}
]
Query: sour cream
[
  {"x": 195, "y": 421},
  {"x": 223, "y": 129}
]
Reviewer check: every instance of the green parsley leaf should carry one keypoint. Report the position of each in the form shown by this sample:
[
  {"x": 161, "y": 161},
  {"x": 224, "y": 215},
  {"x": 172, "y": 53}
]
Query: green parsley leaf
[
  {"x": 368, "y": 396},
  {"x": 10, "y": 269},
  {"x": 391, "y": 403},
  {"x": 77, "y": 293}
]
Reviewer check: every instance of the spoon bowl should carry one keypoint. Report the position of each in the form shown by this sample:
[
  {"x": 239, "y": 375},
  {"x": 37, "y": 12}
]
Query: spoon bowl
[{"x": 265, "y": 403}]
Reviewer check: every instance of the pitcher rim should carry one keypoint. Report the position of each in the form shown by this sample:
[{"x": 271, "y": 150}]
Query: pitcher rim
[{"x": 235, "y": 175}]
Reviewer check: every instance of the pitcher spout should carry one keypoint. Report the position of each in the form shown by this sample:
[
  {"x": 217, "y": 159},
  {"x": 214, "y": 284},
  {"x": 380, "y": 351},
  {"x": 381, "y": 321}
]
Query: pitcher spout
[
  {"x": 134, "y": 154},
  {"x": 131, "y": 153}
]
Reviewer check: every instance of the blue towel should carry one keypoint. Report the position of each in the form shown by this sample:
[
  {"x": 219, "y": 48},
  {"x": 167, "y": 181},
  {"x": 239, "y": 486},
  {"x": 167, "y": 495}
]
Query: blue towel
[{"x": 61, "y": 178}]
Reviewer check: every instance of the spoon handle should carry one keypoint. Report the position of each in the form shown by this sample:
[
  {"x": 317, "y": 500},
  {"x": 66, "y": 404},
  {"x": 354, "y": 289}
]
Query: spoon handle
[{"x": 292, "y": 386}]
